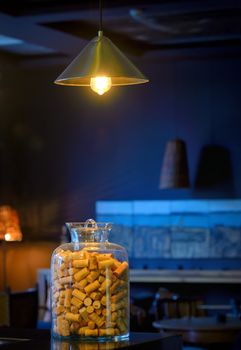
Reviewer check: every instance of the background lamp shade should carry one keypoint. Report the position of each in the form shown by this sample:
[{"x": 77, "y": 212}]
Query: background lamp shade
[
  {"x": 101, "y": 58},
  {"x": 9, "y": 231},
  {"x": 174, "y": 172},
  {"x": 9, "y": 224}
]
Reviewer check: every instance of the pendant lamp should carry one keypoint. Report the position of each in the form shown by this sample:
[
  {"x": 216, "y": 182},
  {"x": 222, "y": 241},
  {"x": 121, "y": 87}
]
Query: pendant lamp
[
  {"x": 174, "y": 173},
  {"x": 101, "y": 65}
]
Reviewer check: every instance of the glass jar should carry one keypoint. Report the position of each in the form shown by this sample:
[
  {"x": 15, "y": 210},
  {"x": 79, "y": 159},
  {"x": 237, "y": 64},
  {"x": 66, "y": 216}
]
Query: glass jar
[{"x": 90, "y": 285}]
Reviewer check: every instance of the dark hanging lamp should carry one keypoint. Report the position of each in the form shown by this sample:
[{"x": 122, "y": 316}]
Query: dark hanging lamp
[
  {"x": 174, "y": 172},
  {"x": 101, "y": 65}
]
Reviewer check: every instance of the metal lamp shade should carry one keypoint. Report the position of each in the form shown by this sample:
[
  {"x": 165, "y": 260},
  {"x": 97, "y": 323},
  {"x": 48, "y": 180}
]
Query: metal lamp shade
[
  {"x": 174, "y": 173},
  {"x": 101, "y": 58}
]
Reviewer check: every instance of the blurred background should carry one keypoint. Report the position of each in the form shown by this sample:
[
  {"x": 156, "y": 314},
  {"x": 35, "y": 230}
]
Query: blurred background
[{"x": 62, "y": 149}]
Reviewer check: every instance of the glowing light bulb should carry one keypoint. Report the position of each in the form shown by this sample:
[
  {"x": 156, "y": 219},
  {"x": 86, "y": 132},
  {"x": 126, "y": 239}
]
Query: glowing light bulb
[
  {"x": 100, "y": 85},
  {"x": 7, "y": 237}
]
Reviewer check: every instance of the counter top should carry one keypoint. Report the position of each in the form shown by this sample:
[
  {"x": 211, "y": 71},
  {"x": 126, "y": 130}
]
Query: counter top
[
  {"x": 169, "y": 276},
  {"x": 185, "y": 276}
]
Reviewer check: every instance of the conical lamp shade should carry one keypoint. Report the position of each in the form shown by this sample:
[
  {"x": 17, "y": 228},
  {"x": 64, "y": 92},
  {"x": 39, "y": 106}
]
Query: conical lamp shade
[
  {"x": 174, "y": 173},
  {"x": 101, "y": 58}
]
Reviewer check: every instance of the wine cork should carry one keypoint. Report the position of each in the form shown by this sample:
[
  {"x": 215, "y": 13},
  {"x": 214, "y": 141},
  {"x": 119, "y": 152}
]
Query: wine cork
[
  {"x": 106, "y": 256},
  {"x": 98, "y": 312},
  {"x": 101, "y": 279},
  {"x": 87, "y": 301},
  {"x": 103, "y": 264},
  {"x": 62, "y": 326},
  {"x": 92, "y": 276},
  {"x": 81, "y": 284},
  {"x": 72, "y": 317},
  {"x": 59, "y": 309},
  {"x": 72, "y": 271},
  {"x": 107, "y": 331},
  {"x": 76, "y": 302},
  {"x": 78, "y": 294},
  {"x": 90, "y": 309},
  {"x": 65, "y": 280},
  {"x": 81, "y": 263},
  {"x": 93, "y": 263},
  {"x": 82, "y": 330},
  {"x": 96, "y": 304},
  {"x": 121, "y": 269},
  {"x": 105, "y": 284},
  {"x": 92, "y": 287},
  {"x": 91, "y": 332},
  {"x": 91, "y": 325},
  {"x": 74, "y": 309},
  {"x": 67, "y": 299},
  {"x": 78, "y": 255},
  {"x": 95, "y": 295},
  {"x": 83, "y": 313},
  {"x": 74, "y": 327},
  {"x": 81, "y": 274}
]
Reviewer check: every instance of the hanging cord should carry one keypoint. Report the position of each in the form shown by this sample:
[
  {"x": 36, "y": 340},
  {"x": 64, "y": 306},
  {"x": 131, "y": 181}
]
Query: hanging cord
[{"x": 100, "y": 12}]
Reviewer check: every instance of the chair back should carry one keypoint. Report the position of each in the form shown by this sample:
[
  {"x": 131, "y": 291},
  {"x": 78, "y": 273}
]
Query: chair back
[
  {"x": 4, "y": 309},
  {"x": 178, "y": 308}
]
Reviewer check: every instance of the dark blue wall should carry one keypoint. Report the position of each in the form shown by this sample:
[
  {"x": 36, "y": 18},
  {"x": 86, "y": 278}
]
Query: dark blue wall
[{"x": 71, "y": 147}]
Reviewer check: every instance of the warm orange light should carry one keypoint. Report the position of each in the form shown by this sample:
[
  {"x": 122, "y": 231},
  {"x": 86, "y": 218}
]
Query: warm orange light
[
  {"x": 7, "y": 237},
  {"x": 100, "y": 85},
  {"x": 13, "y": 233},
  {"x": 9, "y": 224}
]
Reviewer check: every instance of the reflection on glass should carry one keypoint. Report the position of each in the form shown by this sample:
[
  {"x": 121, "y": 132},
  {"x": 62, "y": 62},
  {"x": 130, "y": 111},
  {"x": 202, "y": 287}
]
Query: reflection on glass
[{"x": 57, "y": 344}]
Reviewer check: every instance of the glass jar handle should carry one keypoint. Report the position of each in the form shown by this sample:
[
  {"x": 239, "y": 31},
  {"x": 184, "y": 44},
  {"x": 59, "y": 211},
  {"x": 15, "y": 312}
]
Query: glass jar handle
[{"x": 91, "y": 223}]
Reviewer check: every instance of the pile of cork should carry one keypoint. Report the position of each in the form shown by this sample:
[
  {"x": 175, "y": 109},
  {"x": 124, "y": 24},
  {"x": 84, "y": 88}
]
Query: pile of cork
[{"x": 89, "y": 294}]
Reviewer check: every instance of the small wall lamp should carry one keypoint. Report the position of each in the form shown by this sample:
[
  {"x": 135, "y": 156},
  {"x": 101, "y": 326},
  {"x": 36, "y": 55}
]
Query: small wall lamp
[{"x": 9, "y": 231}]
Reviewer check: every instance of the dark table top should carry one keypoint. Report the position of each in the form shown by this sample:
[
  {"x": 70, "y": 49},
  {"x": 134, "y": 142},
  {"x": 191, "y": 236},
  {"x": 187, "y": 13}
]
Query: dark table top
[
  {"x": 19, "y": 339},
  {"x": 208, "y": 331}
]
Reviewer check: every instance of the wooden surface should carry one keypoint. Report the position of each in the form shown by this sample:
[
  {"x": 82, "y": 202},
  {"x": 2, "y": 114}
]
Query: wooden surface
[
  {"x": 23, "y": 259},
  {"x": 201, "y": 330}
]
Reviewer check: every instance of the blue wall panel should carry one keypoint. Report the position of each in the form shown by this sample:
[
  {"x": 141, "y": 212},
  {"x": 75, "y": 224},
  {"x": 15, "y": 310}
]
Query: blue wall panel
[{"x": 157, "y": 230}]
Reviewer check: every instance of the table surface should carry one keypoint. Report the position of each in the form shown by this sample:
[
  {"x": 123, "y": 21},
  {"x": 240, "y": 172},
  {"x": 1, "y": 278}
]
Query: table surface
[
  {"x": 197, "y": 324},
  {"x": 215, "y": 307},
  {"x": 19, "y": 339}
]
